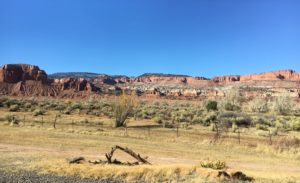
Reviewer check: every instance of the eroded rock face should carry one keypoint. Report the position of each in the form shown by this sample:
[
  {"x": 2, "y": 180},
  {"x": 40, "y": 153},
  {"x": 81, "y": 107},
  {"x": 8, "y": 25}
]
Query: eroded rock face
[
  {"x": 28, "y": 80},
  {"x": 110, "y": 80},
  {"x": 274, "y": 75},
  {"x": 13, "y": 73},
  {"x": 77, "y": 84},
  {"x": 226, "y": 79},
  {"x": 169, "y": 80}
]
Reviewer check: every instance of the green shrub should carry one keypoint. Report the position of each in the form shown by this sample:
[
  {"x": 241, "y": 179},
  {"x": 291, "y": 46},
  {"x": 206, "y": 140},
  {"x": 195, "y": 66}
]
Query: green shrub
[
  {"x": 211, "y": 105},
  {"x": 216, "y": 165}
]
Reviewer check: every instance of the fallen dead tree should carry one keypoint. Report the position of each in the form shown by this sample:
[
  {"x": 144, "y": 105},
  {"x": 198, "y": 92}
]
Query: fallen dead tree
[{"x": 109, "y": 156}]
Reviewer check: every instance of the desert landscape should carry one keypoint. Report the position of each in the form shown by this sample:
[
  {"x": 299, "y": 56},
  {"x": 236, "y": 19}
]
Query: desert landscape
[
  {"x": 149, "y": 91},
  {"x": 66, "y": 127}
]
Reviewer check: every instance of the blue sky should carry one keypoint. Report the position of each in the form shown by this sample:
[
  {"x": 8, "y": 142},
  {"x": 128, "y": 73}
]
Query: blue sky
[{"x": 194, "y": 37}]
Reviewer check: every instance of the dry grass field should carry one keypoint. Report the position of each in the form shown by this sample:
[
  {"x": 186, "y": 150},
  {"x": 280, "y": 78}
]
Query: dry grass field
[{"x": 37, "y": 145}]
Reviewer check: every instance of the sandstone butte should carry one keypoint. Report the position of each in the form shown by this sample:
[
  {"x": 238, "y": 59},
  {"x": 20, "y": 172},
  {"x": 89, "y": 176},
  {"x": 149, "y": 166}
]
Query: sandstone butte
[{"x": 29, "y": 80}]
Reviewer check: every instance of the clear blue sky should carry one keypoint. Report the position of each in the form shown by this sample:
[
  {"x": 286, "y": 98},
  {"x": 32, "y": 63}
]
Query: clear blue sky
[{"x": 194, "y": 37}]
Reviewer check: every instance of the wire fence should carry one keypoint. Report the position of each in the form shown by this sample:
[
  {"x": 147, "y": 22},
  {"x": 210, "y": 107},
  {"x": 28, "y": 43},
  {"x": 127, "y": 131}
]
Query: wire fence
[{"x": 146, "y": 131}]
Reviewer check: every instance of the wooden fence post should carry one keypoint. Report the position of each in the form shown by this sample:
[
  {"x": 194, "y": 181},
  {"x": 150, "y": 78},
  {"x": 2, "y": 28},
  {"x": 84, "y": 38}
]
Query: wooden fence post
[
  {"x": 54, "y": 123},
  {"x": 270, "y": 138},
  {"x": 125, "y": 133},
  {"x": 24, "y": 119},
  {"x": 239, "y": 136}
]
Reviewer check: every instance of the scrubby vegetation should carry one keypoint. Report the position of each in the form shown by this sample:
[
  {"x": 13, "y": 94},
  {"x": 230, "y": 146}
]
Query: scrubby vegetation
[
  {"x": 261, "y": 114},
  {"x": 216, "y": 165},
  {"x": 221, "y": 129}
]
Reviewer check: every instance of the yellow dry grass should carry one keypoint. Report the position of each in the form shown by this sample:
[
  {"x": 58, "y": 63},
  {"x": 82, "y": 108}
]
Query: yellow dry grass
[
  {"x": 148, "y": 173},
  {"x": 45, "y": 148}
]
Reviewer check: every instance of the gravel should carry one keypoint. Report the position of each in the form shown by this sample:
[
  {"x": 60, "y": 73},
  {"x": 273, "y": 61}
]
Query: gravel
[{"x": 33, "y": 177}]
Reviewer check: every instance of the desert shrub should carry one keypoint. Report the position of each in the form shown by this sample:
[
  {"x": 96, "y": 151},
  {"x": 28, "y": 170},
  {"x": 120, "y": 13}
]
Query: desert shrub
[
  {"x": 158, "y": 120},
  {"x": 231, "y": 107},
  {"x": 197, "y": 120},
  {"x": 282, "y": 105},
  {"x": 144, "y": 114},
  {"x": 156, "y": 103},
  {"x": 60, "y": 107},
  {"x": 234, "y": 127},
  {"x": 123, "y": 107},
  {"x": 14, "y": 108},
  {"x": 288, "y": 142},
  {"x": 295, "y": 124},
  {"x": 296, "y": 112},
  {"x": 259, "y": 105},
  {"x": 2, "y": 102},
  {"x": 67, "y": 112},
  {"x": 216, "y": 165},
  {"x": 181, "y": 118},
  {"x": 27, "y": 105},
  {"x": 261, "y": 127},
  {"x": 10, "y": 102},
  {"x": 212, "y": 127},
  {"x": 243, "y": 120},
  {"x": 90, "y": 106},
  {"x": 228, "y": 114},
  {"x": 209, "y": 118},
  {"x": 274, "y": 131},
  {"x": 233, "y": 100},
  {"x": 95, "y": 113},
  {"x": 75, "y": 106},
  {"x": 227, "y": 119},
  {"x": 211, "y": 105},
  {"x": 184, "y": 125},
  {"x": 38, "y": 112},
  {"x": 264, "y": 120},
  {"x": 11, "y": 118}
]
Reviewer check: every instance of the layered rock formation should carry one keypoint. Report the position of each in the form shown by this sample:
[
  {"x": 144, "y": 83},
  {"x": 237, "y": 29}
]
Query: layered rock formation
[
  {"x": 13, "y": 73},
  {"x": 287, "y": 75},
  {"x": 28, "y": 80}
]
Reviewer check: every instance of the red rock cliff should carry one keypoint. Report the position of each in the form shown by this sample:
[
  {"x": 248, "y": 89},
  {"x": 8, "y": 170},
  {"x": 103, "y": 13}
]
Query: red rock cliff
[{"x": 13, "y": 73}]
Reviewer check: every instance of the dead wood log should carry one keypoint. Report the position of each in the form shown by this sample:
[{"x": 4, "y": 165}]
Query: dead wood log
[
  {"x": 128, "y": 151},
  {"x": 77, "y": 160}
]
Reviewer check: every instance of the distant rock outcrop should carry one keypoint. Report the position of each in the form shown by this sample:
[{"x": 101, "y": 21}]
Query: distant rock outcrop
[
  {"x": 29, "y": 80},
  {"x": 77, "y": 84},
  {"x": 287, "y": 75},
  {"x": 13, "y": 73}
]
